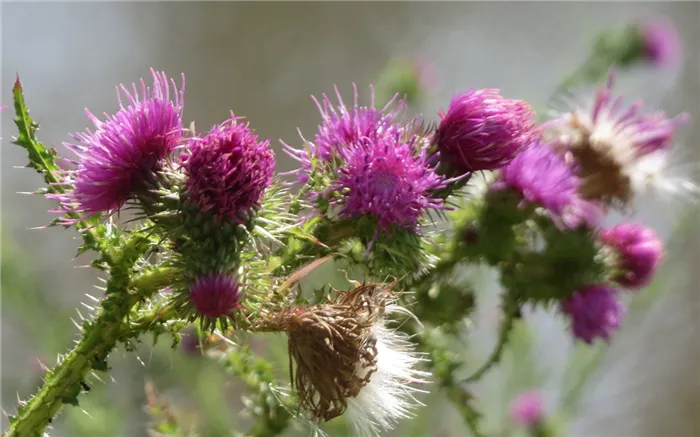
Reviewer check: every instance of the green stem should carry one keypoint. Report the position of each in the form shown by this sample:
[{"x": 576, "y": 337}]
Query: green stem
[
  {"x": 100, "y": 336},
  {"x": 510, "y": 315}
]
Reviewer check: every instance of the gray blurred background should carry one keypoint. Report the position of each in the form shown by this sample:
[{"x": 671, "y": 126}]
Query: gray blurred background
[{"x": 264, "y": 60}]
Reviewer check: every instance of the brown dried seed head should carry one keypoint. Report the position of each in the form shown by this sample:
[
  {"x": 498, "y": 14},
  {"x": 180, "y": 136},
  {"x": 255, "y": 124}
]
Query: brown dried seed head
[{"x": 334, "y": 349}]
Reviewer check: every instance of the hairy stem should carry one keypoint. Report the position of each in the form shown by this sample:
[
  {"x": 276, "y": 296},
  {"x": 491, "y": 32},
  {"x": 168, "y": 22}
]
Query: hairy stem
[{"x": 100, "y": 336}]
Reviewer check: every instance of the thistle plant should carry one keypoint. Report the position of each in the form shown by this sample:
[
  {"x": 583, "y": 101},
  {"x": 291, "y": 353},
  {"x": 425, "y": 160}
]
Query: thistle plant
[{"x": 218, "y": 244}]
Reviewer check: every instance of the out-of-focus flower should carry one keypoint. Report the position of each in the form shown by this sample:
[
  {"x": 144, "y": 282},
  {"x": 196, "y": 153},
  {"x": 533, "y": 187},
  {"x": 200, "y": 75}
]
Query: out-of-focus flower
[
  {"x": 228, "y": 170},
  {"x": 638, "y": 251},
  {"x": 483, "y": 131},
  {"x": 126, "y": 150},
  {"x": 595, "y": 312},
  {"x": 660, "y": 41},
  {"x": 527, "y": 409},
  {"x": 607, "y": 144},
  {"x": 541, "y": 177}
]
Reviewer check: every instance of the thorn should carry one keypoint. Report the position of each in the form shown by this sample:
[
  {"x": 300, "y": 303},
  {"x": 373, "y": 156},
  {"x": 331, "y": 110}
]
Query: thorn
[
  {"x": 42, "y": 365},
  {"x": 86, "y": 413},
  {"x": 97, "y": 377},
  {"x": 77, "y": 325},
  {"x": 81, "y": 316},
  {"x": 92, "y": 297},
  {"x": 91, "y": 308}
]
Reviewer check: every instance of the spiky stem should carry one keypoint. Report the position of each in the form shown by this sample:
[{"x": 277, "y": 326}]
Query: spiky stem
[{"x": 100, "y": 336}]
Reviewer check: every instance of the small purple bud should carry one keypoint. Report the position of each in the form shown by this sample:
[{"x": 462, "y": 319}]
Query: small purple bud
[
  {"x": 640, "y": 252},
  {"x": 595, "y": 312},
  {"x": 661, "y": 42},
  {"x": 483, "y": 131},
  {"x": 215, "y": 295},
  {"x": 527, "y": 409}
]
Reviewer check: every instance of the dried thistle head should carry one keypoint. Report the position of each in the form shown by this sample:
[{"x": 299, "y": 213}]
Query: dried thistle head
[{"x": 347, "y": 359}]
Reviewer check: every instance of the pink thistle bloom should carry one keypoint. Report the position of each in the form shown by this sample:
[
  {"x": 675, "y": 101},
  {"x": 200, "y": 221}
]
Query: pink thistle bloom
[
  {"x": 527, "y": 409},
  {"x": 639, "y": 250},
  {"x": 595, "y": 312},
  {"x": 542, "y": 177},
  {"x": 228, "y": 170},
  {"x": 126, "y": 150},
  {"x": 389, "y": 179},
  {"x": 215, "y": 295},
  {"x": 343, "y": 126},
  {"x": 483, "y": 131}
]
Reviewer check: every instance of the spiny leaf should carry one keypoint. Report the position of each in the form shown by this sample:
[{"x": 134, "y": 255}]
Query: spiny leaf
[{"x": 41, "y": 159}]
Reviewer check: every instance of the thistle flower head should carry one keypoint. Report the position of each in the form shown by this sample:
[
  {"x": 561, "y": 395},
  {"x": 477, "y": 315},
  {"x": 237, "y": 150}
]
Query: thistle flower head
[
  {"x": 228, "y": 170},
  {"x": 126, "y": 149},
  {"x": 527, "y": 409},
  {"x": 639, "y": 252},
  {"x": 541, "y": 177},
  {"x": 483, "y": 131},
  {"x": 215, "y": 295},
  {"x": 389, "y": 179},
  {"x": 347, "y": 358},
  {"x": 661, "y": 42},
  {"x": 343, "y": 126},
  {"x": 595, "y": 312},
  {"x": 606, "y": 141}
]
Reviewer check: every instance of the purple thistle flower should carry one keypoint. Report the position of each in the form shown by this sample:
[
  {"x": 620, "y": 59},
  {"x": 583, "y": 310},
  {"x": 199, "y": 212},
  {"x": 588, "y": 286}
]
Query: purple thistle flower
[
  {"x": 228, "y": 170},
  {"x": 384, "y": 177},
  {"x": 342, "y": 126},
  {"x": 126, "y": 150},
  {"x": 594, "y": 311},
  {"x": 527, "y": 409},
  {"x": 542, "y": 177},
  {"x": 215, "y": 295},
  {"x": 661, "y": 42},
  {"x": 483, "y": 131},
  {"x": 639, "y": 250}
]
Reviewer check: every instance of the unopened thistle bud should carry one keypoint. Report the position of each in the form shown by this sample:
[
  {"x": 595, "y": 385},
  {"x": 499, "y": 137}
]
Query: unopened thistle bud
[
  {"x": 595, "y": 312},
  {"x": 483, "y": 131},
  {"x": 228, "y": 170},
  {"x": 527, "y": 409},
  {"x": 638, "y": 252},
  {"x": 215, "y": 295},
  {"x": 349, "y": 361},
  {"x": 661, "y": 44}
]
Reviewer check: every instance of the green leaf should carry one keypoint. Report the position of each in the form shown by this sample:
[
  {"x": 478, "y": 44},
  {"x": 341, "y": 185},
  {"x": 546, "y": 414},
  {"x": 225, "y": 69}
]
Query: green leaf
[{"x": 41, "y": 158}]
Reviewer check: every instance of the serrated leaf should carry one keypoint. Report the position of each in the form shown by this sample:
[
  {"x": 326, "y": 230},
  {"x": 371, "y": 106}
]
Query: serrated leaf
[{"x": 41, "y": 158}]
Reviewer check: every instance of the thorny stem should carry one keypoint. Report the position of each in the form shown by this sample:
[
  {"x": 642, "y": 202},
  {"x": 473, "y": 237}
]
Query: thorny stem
[{"x": 100, "y": 336}]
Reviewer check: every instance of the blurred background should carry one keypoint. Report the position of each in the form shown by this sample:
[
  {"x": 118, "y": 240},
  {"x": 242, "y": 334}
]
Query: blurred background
[{"x": 264, "y": 61}]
